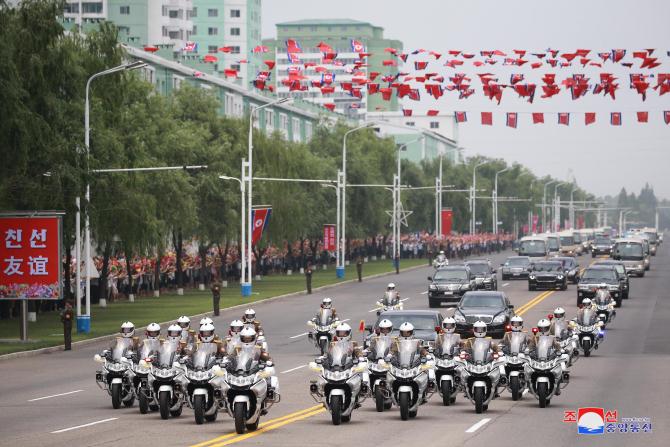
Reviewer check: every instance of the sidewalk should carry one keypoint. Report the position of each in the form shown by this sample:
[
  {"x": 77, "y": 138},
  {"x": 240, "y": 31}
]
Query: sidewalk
[{"x": 48, "y": 330}]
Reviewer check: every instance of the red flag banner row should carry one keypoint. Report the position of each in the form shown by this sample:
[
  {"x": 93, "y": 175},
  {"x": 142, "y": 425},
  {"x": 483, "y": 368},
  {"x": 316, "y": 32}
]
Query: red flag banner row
[{"x": 562, "y": 118}]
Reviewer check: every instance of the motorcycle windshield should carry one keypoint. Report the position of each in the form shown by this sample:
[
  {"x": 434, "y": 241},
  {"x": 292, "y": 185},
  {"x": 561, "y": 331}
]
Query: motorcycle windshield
[
  {"x": 448, "y": 344},
  {"x": 166, "y": 354},
  {"x": 560, "y": 330},
  {"x": 325, "y": 317},
  {"x": 120, "y": 348},
  {"x": 517, "y": 343},
  {"x": 381, "y": 347},
  {"x": 245, "y": 359},
  {"x": 148, "y": 348},
  {"x": 480, "y": 350},
  {"x": 390, "y": 298},
  {"x": 587, "y": 317},
  {"x": 408, "y": 353},
  {"x": 203, "y": 355},
  {"x": 545, "y": 347},
  {"x": 339, "y": 355},
  {"x": 602, "y": 299}
]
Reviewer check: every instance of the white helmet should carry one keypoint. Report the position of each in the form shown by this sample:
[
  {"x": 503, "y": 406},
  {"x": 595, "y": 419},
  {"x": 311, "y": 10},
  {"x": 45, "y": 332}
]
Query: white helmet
[
  {"x": 127, "y": 329},
  {"x": 543, "y": 326},
  {"x": 343, "y": 331},
  {"x": 390, "y": 287},
  {"x": 207, "y": 333},
  {"x": 153, "y": 331},
  {"x": 248, "y": 336},
  {"x": 236, "y": 327},
  {"x": 184, "y": 322},
  {"x": 406, "y": 330},
  {"x": 559, "y": 313},
  {"x": 586, "y": 302},
  {"x": 174, "y": 332},
  {"x": 249, "y": 316},
  {"x": 516, "y": 322},
  {"x": 441, "y": 252},
  {"x": 449, "y": 325},
  {"x": 479, "y": 329},
  {"x": 385, "y": 326},
  {"x": 327, "y": 303},
  {"x": 206, "y": 320}
]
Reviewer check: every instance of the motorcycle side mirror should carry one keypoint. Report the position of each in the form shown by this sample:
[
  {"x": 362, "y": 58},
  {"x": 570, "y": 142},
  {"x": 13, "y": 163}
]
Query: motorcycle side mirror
[
  {"x": 510, "y": 306},
  {"x": 318, "y": 361},
  {"x": 368, "y": 328},
  {"x": 355, "y": 361},
  {"x": 387, "y": 359},
  {"x": 430, "y": 278}
]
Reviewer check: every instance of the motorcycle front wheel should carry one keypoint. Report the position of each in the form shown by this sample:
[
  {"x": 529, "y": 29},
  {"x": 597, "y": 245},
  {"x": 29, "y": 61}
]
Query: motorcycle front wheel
[
  {"x": 586, "y": 345},
  {"x": 323, "y": 346},
  {"x": 199, "y": 409},
  {"x": 336, "y": 409},
  {"x": 403, "y": 401},
  {"x": 479, "y": 400},
  {"x": 240, "y": 414},
  {"x": 379, "y": 399},
  {"x": 142, "y": 401},
  {"x": 445, "y": 387},
  {"x": 164, "y": 404},
  {"x": 116, "y": 396},
  {"x": 542, "y": 392},
  {"x": 515, "y": 386}
]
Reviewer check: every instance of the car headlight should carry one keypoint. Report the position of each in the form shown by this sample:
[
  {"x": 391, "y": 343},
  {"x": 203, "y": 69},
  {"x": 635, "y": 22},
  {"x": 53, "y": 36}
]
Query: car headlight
[
  {"x": 465, "y": 286},
  {"x": 613, "y": 287},
  {"x": 640, "y": 266},
  {"x": 583, "y": 287},
  {"x": 459, "y": 318},
  {"x": 432, "y": 287},
  {"x": 560, "y": 276},
  {"x": 499, "y": 318},
  {"x": 532, "y": 276}
]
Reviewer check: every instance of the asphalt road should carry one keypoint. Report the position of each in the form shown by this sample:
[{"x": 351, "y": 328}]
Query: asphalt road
[{"x": 52, "y": 399}]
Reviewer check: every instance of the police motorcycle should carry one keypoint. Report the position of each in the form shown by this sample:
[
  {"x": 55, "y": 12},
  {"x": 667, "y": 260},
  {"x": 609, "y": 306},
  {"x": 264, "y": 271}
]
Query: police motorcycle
[
  {"x": 440, "y": 260},
  {"x": 339, "y": 386},
  {"x": 201, "y": 382},
  {"x": 390, "y": 301},
  {"x": 323, "y": 326},
  {"x": 514, "y": 351},
  {"x": 482, "y": 370},
  {"x": 379, "y": 349},
  {"x": 588, "y": 327},
  {"x": 248, "y": 387},
  {"x": 568, "y": 340},
  {"x": 545, "y": 369},
  {"x": 116, "y": 375},
  {"x": 604, "y": 305},
  {"x": 166, "y": 380},
  {"x": 148, "y": 353},
  {"x": 447, "y": 374}
]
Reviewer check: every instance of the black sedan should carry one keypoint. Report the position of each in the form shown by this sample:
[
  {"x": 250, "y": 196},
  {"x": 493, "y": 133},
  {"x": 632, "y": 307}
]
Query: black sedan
[
  {"x": 596, "y": 275},
  {"x": 515, "y": 267},
  {"x": 448, "y": 284},
  {"x": 621, "y": 271},
  {"x": 570, "y": 266},
  {"x": 493, "y": 308},
  {"x": 484, "y": 274},
  {"x": 425, "y": 322},
  {"x": 601, "y": 246},
  {"x": 548, "y": 275}
]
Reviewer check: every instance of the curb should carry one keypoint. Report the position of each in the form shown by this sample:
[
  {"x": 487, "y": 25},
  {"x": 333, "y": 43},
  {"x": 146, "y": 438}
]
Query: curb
[{"x": 90, "y": 341}]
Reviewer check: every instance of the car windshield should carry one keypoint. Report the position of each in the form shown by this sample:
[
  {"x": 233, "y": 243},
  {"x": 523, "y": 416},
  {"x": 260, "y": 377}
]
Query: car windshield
[
  {"x": 517, "y": 262},
  {"x": 478, "y": 269},
  {"x": 598, "y": 275},
  {"x": 479, "y": 300},
  {"x": 420, "y": 322},
  {"x": 578, "y": 238},
  {"x": 553, "y": 243},
  {"x": 547, "y": 267},
  {"x": 568, "y": 263},
  {"x": 450, "y": 275},
  {"x": 629, "y": 250},
  {"x": 603, "y": 241},
  {"x": 536, "y": 248},
  {"x": 567, "y": 240},
  {"x": 652, "y": 236}
]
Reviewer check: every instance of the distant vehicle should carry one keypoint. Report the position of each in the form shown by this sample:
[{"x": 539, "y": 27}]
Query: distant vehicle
[
  {"x": 594, "y": 276},
  {"x": 448, "y": 284},
  {"x": 484, "y": 274},
  {"x": 631, "y": 253},
  {"x": 621, "y": 271},
  {"x": 653, "y": 239},
  {"x": 587, "y": 237},
  {"x": 568, "y": 245},
  {"x": 425, "y": 323},
  {"x": 493, "y": 308},
  {"x": 579, "y": 239},
  {"x": 553, "y": 243},
  {"x": 570, "y": 266},
  {"x": 533, "y": 247},
  {"x": 548, "y": 275},
  {"x": 602, "y": 245},
  {"x": 515, "y": 267}
]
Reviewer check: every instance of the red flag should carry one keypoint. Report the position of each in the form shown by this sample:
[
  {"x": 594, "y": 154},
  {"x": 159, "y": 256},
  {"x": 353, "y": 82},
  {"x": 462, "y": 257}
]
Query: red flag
[
  {"x": 230, "y": 73},
  {"x": 487, "y": 119},
  {"x": 666, "y": 116},
  {"x": 150, "y": 49},
  {"x": 511, "y": 119},
  {"x": 330, "y": 106},
  {"x": 432, "y": 112},
  {"x": 564, "y": 118},
  {"x": 589, "y": 118},
  {"x": 270, "y": 64},
  {"x": 615, "y": 118},
  {"x": 538, "y": 118},
  {"x": 461, "y": 117},
  {"x": 642, "y": 117},
  {"x": 407, "y": 112},
  {"x": 260, "y": 218}
]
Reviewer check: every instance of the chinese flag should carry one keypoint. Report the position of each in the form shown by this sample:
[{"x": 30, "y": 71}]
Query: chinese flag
[
  {"x": 564, "y": 119},
  {"x": 511, "y": 119},
  {"x": 642, "y": 117},
  {"x": 487, "y": 118},
  {"x": 615, "y": 118},
  {"x": 461, "y": 117},
  {"x": 538, "y": 118},
  {"x": 589, "y": 118}
]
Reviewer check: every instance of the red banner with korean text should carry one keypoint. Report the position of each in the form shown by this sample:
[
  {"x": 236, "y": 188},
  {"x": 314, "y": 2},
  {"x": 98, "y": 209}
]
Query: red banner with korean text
[
  {"x": 30, "y": 257},
  {"x": 535, "y": 219},
  {"x": 447, "y": 215},
  {"x": 329, "y": 237},
  {"x": 260, "y": 216}
]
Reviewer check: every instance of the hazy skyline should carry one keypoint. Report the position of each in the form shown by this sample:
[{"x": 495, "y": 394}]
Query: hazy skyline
[{"x": 602, "y": 157}]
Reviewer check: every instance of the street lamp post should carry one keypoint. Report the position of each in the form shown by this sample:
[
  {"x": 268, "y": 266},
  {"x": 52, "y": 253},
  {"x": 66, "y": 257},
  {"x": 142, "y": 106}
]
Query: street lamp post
[
  {"x": 84, "y": 322},
  {"x": 438, "y": 192},
  {"x": 397, "y": 203},
  {"x": 544, "y": 204},
  {"x": 473, "y": 214},
  {"x": 557, "y": 207},
  {"x": 571, "y": 217},
  {"x": 495, "y": 200},
  {"x": 243, "y": 217},
  {"x": 246, "y": 285}
]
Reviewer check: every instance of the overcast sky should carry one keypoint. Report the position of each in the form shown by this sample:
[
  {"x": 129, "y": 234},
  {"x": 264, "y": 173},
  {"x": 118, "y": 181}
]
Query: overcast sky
[{"x": 602, "y": 157}]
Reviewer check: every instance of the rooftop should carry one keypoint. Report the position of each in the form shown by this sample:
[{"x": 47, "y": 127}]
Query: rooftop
[{"x": 316, "y": 22}]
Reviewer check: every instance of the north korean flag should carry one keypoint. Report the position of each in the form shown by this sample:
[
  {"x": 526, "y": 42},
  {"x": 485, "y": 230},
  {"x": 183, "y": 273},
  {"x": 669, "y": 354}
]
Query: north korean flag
[
  {"x": 461, "y": 117},
  {"x": 615, "y": 118},
  {"x": 357, "y": 46},
  {"x": 511, "y": 119},
  {"x": 260, "y": 217},
  {"x": 564, "y": 119}
]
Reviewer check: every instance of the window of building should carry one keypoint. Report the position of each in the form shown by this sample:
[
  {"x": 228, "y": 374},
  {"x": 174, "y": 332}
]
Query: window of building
[
  {"x": 91, "y": 7},
  {"x": 195, "y": 30},
  {"x": 308, "y": 131},
  {"x": 212, "y": 49},
  {"x": 176, "y": 35},
  {"x": 312, "y": 29},
  {"x": 165, "y": 31},
  {"x": 434, "y": 125},
  {"x": 409, "y": 123},
  {"x": 72, "y": 8},
  {"x": 124, "y": 10},
  {"x": 235, "y": 66},
  {"x": 176, "y": 81},
  {"x": 269, "y": 119},
  {"x": 234, "y": 31},
  {"x": 194, "y": 11},
  {"x": 235, "y": 49},
  {"x": 164, "y": 11},
  {"x": 296, "y": 129},
  {"x": 228, "y": 104},
  {"x": 283, "y": 123},
  {"x": 124, "y": 30},
  {"x": 213, "y": 31},
  {"x": 235, "y": 13},
  {"x": 212, "y": 13},
  {"x": 149, "y": 74},
  {"x": 173, "y": 14}
]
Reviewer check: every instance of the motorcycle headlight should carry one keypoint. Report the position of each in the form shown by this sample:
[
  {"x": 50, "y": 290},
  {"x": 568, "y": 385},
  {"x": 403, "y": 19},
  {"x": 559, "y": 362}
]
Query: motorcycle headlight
[
  {"x": 459, "y": 318},
  {"x": 432, "y": 287},
  {"x": 163, "y": 373},
  {"x": 116, "y": 367},
  {"x": 199, "y": 375},
  {"x": 499, "y": 318}
]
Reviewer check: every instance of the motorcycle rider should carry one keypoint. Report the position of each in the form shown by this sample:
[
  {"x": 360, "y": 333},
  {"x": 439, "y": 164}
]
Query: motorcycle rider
[
  {"x": 249, "y": 319},
  {"x": 248, "y": 338},
  {"x": 405, "y": 333},
  {"x": 586, "y": 304},
  {"x": 384, "y": 329},
  {"x": 479, "y": 330},
  {"x": 440, "y": 259},
  {"x": 229, "y": 343},
  {"x": 326, "y": 303},
  {"x": 558, "y": 317},
  {"x": 127, "y": 331},
  {"x": 543, "y": 329},
  {"x": 206, "y": 320},
  {"x": 516, "y": 324},
  {"x": 448, "y": 329}
]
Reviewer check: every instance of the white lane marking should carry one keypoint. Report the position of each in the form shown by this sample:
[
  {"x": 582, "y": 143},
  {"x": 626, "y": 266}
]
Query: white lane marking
[
  {"x": 300, "y": 335},
  {"x": 63, "y": 430},
  {"x": 55, "y": 395},
  {"x": 506, "y": 284},
  {"x": 293, "y": 369},
  {"x": 524, "y": 392},
  {"x": 424, "y": 293},
  {"x": 405, "y": 299},
  {"x": 478, "y": 425}
]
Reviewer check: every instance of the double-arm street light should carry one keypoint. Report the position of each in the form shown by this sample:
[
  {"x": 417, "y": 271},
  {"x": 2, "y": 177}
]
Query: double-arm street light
[
  {"x": 557, "y": 207},
  {"x": 397, "y": 204},
  {"x": 473, "y": 222},
  {"x": 544, "y": 204},
  {"x": 495, "y": 200}
]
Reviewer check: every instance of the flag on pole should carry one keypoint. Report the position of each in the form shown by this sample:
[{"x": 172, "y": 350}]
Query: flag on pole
[
  {"x": 615, "y": 118},
  {"x": 487, "y": 118},
  {"x": 461, "y": 117},
  {"x": 564, "y": 118},
  {"x": 260, "y": 216},
  {"x": 511, "y": 119},
  {"x": 589, "y": 118},
  {"x": 538, "y": 118}
]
